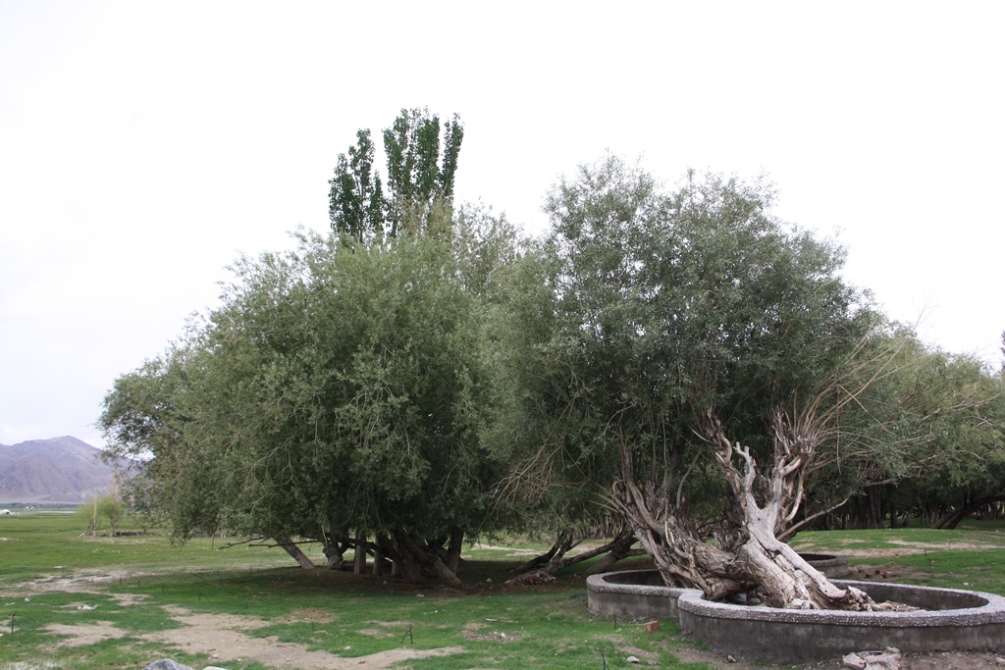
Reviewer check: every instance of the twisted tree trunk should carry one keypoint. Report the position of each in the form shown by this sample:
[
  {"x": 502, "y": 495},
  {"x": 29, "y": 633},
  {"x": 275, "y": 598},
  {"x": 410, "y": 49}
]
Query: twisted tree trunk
[
  {"x": 556, "y": 560},
  {"x": 563, "y": 544},
  {"x": 291, "y": 548},
  {"x": 334, "y": 549},
  {"x": 747, "y": 554},
  {"x": 416, "y": 555}
]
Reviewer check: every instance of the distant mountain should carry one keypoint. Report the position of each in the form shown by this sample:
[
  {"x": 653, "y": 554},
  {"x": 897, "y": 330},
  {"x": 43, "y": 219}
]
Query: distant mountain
[{"x": 59, "y": 470}]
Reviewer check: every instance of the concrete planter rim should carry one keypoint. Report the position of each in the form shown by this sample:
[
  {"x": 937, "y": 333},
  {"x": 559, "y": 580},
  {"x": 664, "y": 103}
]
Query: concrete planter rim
[
  {"x": 600, "y": 584},
  {"x": 954, "y": 619},
  {"x": 991, "y": 611}
]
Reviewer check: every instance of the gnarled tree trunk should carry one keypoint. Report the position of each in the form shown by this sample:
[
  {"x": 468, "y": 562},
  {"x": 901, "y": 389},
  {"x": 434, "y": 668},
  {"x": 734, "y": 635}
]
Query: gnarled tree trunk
[
  {"x": 563, "y": 544},
  {"x": 291, "y": 548},
  {"x": 416, "y": 556},
  {"x": 334, "y": 549},
  {"x": 747, "y": 554},
  {"x": 555, "y": 560}
]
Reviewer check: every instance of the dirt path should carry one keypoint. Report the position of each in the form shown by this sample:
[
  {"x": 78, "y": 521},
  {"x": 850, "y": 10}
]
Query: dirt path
[{"x": 223, "y": 638}]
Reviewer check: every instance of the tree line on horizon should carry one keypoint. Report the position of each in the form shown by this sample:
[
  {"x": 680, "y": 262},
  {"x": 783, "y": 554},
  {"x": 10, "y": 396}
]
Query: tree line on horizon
[{"x": 658, "y": 362}]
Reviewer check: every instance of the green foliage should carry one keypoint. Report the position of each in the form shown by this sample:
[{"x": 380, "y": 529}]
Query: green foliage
[
  {"x": 139, "y": 494},
  {"x": 417, "y": 175},
  {"x": 338, "y": 388},
  {"x": 458, "y": 378},
  {"x": 658, "y": 304},
  {"x": 101, "y": 512},
  {"x": 357, "y": 207},
  {"x": 112, "y": 509},
  {"x": 921, "y": 432},
  {"x": 420, "y": 179},
  {"x": 952, "y": 415}
]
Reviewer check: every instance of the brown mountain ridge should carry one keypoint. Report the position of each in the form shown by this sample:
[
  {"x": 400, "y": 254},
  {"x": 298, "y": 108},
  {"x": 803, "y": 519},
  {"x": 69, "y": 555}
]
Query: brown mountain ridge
[{"x": 57, "y": 470}]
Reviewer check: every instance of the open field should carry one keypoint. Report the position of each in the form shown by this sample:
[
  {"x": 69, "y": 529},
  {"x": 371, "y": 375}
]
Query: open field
[
  {"x": 68, "y": 601},
  {"x": 971, "y": 557}
]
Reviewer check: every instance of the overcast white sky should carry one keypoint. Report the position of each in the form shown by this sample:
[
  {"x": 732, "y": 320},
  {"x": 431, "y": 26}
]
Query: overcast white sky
[{"x": 144, "y": 145}]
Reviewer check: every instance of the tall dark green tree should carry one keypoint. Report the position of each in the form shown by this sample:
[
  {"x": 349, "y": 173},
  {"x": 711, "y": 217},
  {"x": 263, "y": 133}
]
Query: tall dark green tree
[
  {"x": 421, "y": 166},
  {"x": 420, "y": 176},
  {"x": 357, "y": 207}
]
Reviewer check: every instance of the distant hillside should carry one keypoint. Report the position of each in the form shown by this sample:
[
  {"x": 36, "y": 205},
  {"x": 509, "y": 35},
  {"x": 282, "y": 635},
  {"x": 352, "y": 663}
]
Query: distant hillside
[{"x": 58, "y": 470}]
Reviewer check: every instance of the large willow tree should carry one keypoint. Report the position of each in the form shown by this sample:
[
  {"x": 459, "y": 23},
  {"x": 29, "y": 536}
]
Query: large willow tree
[
  {"x": 689, "y": 337},
  {"x": 336, "y": 395}
]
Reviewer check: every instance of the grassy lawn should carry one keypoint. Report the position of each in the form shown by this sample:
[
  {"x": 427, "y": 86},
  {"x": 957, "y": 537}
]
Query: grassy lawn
[
  {"x": 970, "y": 557},
  {"x": 70, "y": 601}
]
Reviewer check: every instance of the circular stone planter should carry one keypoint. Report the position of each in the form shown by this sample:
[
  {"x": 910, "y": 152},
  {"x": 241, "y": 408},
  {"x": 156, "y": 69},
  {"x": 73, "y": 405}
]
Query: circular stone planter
[
  {"x": 632, "y": 593},
  {"x": 951, "y": 619},
  {"x": 642, "y": 593},
  {"x": 832, "y": 566}
]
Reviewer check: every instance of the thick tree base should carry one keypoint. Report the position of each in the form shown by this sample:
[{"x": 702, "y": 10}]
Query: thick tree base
[{"x": 747, "y": 553}]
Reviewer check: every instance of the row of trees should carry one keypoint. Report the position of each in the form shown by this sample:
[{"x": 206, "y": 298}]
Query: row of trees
[{"x": 425, "y": 374}]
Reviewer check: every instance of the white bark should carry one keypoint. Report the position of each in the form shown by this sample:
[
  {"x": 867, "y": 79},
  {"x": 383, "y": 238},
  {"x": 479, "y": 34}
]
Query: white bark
[{"x": 749, "y": 554}]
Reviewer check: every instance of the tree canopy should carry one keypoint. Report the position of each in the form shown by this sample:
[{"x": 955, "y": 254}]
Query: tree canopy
[
  {"x": 336, "y": 393},
  {"x": 666, "y": 303},
  {"x": 422, "y": 374}
]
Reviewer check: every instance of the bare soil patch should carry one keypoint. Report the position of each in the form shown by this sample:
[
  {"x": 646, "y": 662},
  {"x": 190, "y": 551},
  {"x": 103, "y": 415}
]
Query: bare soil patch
[
  {"x": 128, "y": 599},
  {"x": 85, "y": 634},
  {"x": 223, "y": 638},
  {"x": 309, "y": 614},
  {"x": 494, "y": 636},
  {"x": 80, "y": 581},
  {"x": 509, "y": 550}
]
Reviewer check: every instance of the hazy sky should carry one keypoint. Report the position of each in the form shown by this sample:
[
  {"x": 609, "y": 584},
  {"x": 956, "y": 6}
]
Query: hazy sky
[{"x": 144, "y": 145}]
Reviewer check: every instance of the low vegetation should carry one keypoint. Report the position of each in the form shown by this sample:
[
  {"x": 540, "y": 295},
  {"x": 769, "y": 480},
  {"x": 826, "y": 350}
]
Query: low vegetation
[{"x": 69, "y": 600}]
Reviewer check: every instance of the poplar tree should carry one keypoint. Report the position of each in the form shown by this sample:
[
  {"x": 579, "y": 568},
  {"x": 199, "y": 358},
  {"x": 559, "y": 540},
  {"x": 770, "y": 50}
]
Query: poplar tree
[{"x": 421, "y": 164}]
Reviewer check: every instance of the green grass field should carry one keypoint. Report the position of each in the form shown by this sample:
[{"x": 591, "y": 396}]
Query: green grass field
[
  {"x": 69, "y": 601},
  {"x": 970, "y": 557}
]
